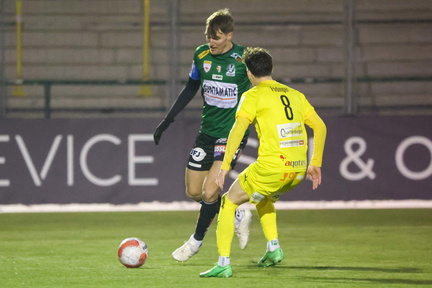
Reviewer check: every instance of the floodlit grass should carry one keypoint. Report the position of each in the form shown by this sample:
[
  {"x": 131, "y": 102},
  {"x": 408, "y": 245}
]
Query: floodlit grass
[{"x": 323, "y": 248}]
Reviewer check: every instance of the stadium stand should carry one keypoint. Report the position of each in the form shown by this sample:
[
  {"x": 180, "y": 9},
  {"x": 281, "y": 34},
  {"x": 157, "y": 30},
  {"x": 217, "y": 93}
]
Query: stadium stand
[{"x": 86, "y": 56}]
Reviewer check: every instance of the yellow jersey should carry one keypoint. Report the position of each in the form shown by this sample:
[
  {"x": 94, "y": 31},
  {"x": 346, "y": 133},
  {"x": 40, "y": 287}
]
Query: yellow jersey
[{"x": 279, "y": 114}]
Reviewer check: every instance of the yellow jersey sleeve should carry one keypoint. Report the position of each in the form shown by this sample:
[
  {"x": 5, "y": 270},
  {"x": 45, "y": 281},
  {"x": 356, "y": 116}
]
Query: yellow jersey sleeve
[
  {"x": 234, "y": 139},
  {"x": 315, "y": 122}
]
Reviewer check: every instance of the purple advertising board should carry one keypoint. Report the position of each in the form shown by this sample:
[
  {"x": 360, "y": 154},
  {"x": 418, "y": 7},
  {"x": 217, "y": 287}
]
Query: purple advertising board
[{"x": 115, "y": 161}]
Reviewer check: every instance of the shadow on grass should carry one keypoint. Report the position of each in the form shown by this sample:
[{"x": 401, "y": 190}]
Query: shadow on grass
[
  {"x": 360, "y": 269},
  {"x": 347, "y": 268},
  {"x": 369, "y": 280}
]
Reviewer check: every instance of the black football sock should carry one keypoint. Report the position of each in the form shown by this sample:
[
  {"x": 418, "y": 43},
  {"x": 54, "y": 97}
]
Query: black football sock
[
  {"x": 219, "y": 203},
  {"x": 206, "y": 215}
]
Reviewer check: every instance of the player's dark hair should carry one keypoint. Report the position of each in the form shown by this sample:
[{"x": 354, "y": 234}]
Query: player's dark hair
[
  {"x": 219, "y": 20},
  {"x": 258, "y": 61}
]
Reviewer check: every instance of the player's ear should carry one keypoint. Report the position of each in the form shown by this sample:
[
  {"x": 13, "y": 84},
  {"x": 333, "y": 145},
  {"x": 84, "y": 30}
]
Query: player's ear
[
  {"x": 230, "y": 35},
  {"x": 249, "y": 74}
]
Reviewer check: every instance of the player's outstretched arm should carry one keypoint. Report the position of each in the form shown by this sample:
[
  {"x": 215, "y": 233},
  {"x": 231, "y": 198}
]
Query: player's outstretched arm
[
  {"x": 234, "y": 139},
  {"x": 163, "y": 125},
  {"x": 180, "y": 103}
]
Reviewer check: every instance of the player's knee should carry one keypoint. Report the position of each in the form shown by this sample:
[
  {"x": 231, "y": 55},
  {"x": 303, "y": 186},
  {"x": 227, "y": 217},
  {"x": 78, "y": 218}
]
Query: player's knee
[
  {"x": 210, "y": 195},
  {"x": 194, "y": 194}
]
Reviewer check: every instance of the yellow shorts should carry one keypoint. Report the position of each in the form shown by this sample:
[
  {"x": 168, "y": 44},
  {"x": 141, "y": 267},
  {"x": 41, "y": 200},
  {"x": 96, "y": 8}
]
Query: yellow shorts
[{"x": 259, "y": 183}]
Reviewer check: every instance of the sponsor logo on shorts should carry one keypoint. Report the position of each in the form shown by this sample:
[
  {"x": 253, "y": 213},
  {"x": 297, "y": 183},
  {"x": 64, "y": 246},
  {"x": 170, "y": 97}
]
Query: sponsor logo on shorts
[
  {"x": 221, "y": 140},
  {"x": 197, "y": 154},
  {"x": 219, "y": 148},
  {"x": 195, "y": 165}
]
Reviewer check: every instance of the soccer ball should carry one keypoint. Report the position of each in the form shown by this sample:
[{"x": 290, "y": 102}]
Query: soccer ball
[{"x": 132, "y": 252}]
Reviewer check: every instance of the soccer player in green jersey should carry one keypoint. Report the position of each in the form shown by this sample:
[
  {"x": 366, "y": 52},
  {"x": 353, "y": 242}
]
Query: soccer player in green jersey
[
  {"x": 279, "y": 114},
  {"x": 218, "y": 69}
]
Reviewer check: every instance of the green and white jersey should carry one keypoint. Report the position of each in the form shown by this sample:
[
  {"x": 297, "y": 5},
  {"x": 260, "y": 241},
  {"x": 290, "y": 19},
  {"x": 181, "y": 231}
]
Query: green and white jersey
[{"x": 223, "y": 81}]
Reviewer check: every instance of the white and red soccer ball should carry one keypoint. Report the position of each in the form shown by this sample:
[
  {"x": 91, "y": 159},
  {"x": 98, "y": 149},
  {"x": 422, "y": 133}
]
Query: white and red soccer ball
[{"x": 132, "y": 252}]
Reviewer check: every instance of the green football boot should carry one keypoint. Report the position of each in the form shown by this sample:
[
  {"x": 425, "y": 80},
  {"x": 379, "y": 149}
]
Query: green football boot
[
  {"x": 271, "y": 258},
  {"x": 218, "y": 271}
]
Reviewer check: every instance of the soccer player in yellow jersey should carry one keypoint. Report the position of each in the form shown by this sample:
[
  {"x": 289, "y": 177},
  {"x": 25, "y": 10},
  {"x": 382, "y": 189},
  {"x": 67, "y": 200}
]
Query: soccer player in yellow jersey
[{"x": 279, "y": 114}]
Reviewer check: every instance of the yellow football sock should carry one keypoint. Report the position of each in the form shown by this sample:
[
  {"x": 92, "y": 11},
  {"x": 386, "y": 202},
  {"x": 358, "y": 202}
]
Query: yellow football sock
[
  {"x": 267, "y": 214},
  {"x": 225, "y": 226}
]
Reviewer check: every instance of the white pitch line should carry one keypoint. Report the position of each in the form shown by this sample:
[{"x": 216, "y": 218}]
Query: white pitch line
[{"x": 193, "y": 206}]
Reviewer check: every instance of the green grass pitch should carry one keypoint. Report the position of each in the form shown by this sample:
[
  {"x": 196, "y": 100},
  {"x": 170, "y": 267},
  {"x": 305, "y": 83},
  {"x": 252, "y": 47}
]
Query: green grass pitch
[{"x": 323, "y": 248}]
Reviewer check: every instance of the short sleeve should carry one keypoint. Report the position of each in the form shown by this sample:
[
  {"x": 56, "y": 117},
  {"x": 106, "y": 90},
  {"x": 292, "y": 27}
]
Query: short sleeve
[{"x": 194, "y": 73}]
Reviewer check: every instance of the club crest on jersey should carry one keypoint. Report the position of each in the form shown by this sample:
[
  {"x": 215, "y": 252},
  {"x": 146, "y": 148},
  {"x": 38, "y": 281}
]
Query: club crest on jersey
[
  {"x": 231, "y": 70},
  {"x": 207, "y": 66}
]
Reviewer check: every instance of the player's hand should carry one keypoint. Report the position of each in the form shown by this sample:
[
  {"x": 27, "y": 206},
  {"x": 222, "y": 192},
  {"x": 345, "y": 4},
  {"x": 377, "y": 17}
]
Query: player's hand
[
  {"x": 220, "y": 179},
  {"x": 314, "y": 174},
  {"x": 160, "y": 129}
]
